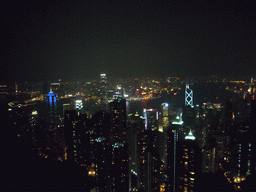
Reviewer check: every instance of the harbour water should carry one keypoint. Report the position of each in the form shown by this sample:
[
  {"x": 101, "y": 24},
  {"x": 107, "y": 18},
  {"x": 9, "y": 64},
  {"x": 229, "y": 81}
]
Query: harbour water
[{"x": 202, "y": 93}]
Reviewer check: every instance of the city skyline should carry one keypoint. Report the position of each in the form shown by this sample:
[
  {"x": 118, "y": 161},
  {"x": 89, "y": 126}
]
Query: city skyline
[
  {"x": 147, "y": 130},
  {"x": 147, "y": 95}
]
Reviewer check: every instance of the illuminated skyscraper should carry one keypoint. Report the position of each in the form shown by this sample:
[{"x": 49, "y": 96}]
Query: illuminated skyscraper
[
  {"x": 118, "y": 121},
  {"x": 51, "y": 104},
  {"x": 79, "y": 104},
  {"x": 151, "y": 119},
  {"x": 55, "y": 87},
  {"x": 184, "y": 162},
  {"x": 76, "y": 140},
  {"x": 188, "y": 96},
  {"x": 120, "y": 167},
  {"x": 103, "y": 89},
  {"x": 163, "y": 127},
  {"x": 150, "y": 163}
]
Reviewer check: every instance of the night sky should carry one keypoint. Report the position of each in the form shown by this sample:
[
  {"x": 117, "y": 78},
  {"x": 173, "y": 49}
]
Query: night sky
[{"x": 62, "y": 39}]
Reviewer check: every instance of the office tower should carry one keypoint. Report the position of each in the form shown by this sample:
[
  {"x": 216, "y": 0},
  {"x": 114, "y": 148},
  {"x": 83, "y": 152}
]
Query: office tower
[
  {"x": 77, "y": 141},
  {"x": 100, "y": 124},
  {"x": 188, "y": 96},
  {"x": 120, "y": 167},
  {"x": 103, "y": 164},
  {"x": 52, "y": 107},
  {"x": 151, "y": 119},
  {"x": 55, "y": 87},
  {"x": 172, "y": 139},
  {"x": 103, "y": 89},
  {"x": 188, "y": 164},
  {"x": 163, "y": 125},
  {"x": 164, "y": 118},
  {"x": 118, "y": 121},
  {"x": 78, "y": 104},
  {"x": 188, "y": 117},
  {"x": 184, "y": 162},
  {"x": 242, "y": 160},
  {"x": 132, "y": 140},
  {"x": 150, "y": 162},
  {"x": 45, "y": 88},
  {"x": 66, "y": 106}
]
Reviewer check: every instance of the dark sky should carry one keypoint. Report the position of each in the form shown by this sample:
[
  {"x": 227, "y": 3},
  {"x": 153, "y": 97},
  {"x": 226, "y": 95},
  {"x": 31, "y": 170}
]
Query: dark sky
[{"x": 67, "y": 39}]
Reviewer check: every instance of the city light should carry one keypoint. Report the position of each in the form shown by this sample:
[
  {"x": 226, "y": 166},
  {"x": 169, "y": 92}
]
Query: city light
[
  {"x": 79, "y": 104},
  {"x": 34, "y": 113},
  {"x": 178, "y": 123},
  {"x": 190, "y": 136}
]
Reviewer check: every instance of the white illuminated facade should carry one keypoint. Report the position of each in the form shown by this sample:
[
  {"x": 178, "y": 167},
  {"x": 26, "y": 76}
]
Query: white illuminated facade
[
  {"x": 103, "y": 89},
  {"x": 79, "y": 104},
  {"x": 190, "y": 136},
  {"x": 188, "y": 96}
]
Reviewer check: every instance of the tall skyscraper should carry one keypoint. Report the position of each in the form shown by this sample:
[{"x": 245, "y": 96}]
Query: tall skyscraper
[
  {"x": 118, "y": 121},
  {"x": 163, "y": 127},
  {"x": 151, "y": 119},
  {"x": 120, "y": 167},
  {"x": 188, "y": 96},
  {"x": 184, "y": 162},
  {"x": 51, "y": 104},
  {"x": 103, "y": 89},
  {"x": 150, "y": 163},
  {"x": 77, "y": 141}
]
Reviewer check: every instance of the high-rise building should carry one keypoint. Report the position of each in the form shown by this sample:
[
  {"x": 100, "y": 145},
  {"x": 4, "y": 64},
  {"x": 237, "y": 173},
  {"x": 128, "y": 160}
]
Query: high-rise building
[
  {"x": 103, "y": 163},
  {"x": 55, "y": 87},
  {"x": 188, "y": 118},
  {"x": 132, "y": 139},
  {"x": 118, "y": 121},
  {"x": 242, "y": 161},
  {"x": 172, "y": 139},
  {"x": 103, "y": 89},
  {"x": 45, "y": 88},
  {"x": 183, "y": 162},
  {"x": 151, "y": 119},
  {"x": 66, "y": 106},
  {"x": 52, "y": 107},
  {"x": 150, "y": 166},
  {"x": 163, "y": 126},
  {"x": 188, "y": 96},
  {"x": 120, "y": 167},
  {"x": 3, "y": 91},
  {"x": 77, "y": 140}
]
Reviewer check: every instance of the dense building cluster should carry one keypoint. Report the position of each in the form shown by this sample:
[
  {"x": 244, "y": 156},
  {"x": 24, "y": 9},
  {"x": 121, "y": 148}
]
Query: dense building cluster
[{"x": 160, "y": 145}]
